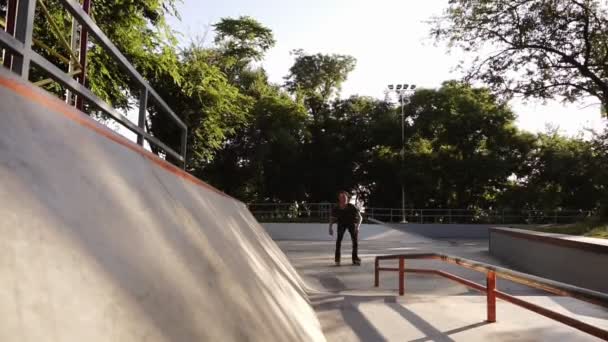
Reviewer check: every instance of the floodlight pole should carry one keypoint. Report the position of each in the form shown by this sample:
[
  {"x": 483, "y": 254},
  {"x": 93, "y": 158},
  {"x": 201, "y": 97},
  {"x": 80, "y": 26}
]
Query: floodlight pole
[
  {"x": 403, "y": 217},
  {"x": 401, "y": 92}
]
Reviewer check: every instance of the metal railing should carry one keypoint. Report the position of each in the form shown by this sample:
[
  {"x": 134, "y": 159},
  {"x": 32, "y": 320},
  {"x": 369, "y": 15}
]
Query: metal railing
[
  {"x": 490, "y": 216},
  {"x": 492, "y": 273},
  {"x": 22, "y": 56},
  {"x": 291, "y": 212},
  {"x": 321, "y": 211}
]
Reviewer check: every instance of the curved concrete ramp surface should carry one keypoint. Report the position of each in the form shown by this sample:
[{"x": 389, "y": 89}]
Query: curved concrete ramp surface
[{"x": 100, "y": 241}]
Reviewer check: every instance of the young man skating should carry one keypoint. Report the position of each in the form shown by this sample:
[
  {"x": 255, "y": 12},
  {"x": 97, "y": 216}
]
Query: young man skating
[{"x": 347, "y": 217}]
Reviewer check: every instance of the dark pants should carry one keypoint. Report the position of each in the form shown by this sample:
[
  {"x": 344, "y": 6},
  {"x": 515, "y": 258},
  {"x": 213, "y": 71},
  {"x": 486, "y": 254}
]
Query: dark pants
[{"x": 354, "y": 238}]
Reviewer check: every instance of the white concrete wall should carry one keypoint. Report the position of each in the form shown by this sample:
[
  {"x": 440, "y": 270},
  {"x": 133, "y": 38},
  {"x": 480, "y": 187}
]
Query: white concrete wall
[
  {"x": 100, "y": 243},
  {"x": 564, "y": 262},
  {"x": 447, "y": 231}
]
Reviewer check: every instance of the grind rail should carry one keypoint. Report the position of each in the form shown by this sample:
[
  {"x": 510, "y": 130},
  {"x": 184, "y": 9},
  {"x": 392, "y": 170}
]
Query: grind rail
[{"x": 494, "y": 272}]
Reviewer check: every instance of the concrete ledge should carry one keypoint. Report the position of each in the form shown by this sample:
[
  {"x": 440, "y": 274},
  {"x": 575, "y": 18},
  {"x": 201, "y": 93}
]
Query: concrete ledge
[
  {"x": 446, "y": 231},
  {"x": 573, "y": 260}
]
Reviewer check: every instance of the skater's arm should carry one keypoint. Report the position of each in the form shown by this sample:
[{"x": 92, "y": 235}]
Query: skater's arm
[
  {"x": 360, "y": 219},
  {"x": 332, "y": 220}
]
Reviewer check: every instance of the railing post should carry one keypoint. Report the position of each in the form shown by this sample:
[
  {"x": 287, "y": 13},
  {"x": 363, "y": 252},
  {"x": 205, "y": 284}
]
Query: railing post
[
  {"x": 143, "y": 105},
  {"x": 11, "y": 17},
  {"x": 554, "y": 216},
  {"x": 24, "y": 28},
  {"x": 376, "y": 273},
  {"x": 491, "y": 295},
  {"x": 86, "y": 6},
  {"x": 401, "y": 276},
  {"x": 184, "y": 146}
]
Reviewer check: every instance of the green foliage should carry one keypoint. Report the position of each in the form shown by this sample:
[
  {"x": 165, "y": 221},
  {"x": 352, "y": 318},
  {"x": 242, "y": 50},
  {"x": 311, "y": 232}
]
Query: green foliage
[
  {"x": 243, "y": 38},
  {"x": 314, "y": 79},
  {"x": 560, "y": 173},
  {"x": 592, "y": 227},
  {"x": 599, "y": 146},
  {"x": 259, "y": 141},
  {"x": 264, "y": 155},
  {"x": 461, "y": 148},
  {"x": 210, "y": 106},
  {"x": 539, "y": 49},
  {"x": 139, "y": 30}
]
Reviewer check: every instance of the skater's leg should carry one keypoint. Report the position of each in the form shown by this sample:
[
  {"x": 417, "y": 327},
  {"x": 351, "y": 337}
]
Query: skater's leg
[
  {"x": 354, "y": 236},
  {"x": 339, "y": 242}
]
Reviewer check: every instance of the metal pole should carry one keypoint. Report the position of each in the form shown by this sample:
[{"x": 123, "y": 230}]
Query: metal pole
[
  {"x": 491, "y": 296},
  {"x": 401, "y": 276},
  {"x": 376, "y": 273},
  {"x": 11, "y": 16},
  {"x": 86, "y": 6},
  {"x": 143, "y": 105},
  {"x": 184, "y": 146},
  {"x": 75, "y": 38},
  {"x": 23, "y": 32},
  {"x": 402, "y": 159}
]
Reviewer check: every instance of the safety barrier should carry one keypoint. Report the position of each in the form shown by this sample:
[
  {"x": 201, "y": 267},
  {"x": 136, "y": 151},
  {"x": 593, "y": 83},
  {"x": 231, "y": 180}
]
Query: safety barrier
[{"x": 18, "y": 39}]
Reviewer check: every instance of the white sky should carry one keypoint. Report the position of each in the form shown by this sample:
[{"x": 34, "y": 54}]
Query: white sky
[{"x": 389, "y": 39}]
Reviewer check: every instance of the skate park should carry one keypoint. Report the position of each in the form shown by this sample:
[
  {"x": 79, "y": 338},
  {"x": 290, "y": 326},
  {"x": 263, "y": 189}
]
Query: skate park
[
  {"x": 351, "y": 308},
  {"x": 103, "y": 240}
]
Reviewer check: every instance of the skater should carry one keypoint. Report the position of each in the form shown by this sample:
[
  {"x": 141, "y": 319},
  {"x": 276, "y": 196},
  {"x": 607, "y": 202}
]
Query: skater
[{"x": 348, "y": 218}]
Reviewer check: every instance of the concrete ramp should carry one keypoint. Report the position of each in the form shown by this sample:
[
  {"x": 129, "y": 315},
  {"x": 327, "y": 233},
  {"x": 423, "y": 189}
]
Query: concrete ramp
[{"x": 102, "y": 241}]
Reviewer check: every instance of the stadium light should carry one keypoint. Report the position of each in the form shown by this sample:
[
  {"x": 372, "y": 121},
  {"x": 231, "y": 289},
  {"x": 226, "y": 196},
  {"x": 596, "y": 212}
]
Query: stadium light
[{"x": 402, "y": 90}]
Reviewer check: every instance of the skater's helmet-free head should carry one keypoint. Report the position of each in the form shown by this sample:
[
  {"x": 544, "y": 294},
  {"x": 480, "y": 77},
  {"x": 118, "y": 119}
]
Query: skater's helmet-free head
[{"x": 343, "y": 197}]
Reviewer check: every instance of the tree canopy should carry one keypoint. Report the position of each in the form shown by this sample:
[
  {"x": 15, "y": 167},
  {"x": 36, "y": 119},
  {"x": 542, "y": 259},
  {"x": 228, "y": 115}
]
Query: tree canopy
[
  {"x": 301, "y": 142},
  {"x": 541, "y": 49}
]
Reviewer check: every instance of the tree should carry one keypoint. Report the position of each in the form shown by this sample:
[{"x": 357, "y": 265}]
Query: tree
[
  {"x": 314, "y": 79},
  {"x": 461, "y": 148},
  {"x": 540, "y": 49},
  {"x": 243, "y": 39},
  {"x": 599, "y": 146},
  {"x": 561, "y": 173},
  {"x": 212, "y": 108},
  {"x": 262, "y": 162},
  {"x": 213, "y": 94},
  {"x": 138, "y": 28},
  {"x": 338, "y": 158}
]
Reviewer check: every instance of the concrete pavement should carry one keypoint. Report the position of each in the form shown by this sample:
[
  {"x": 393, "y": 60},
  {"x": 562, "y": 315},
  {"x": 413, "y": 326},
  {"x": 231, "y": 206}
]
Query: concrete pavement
[{"x": 434, "y": 309}]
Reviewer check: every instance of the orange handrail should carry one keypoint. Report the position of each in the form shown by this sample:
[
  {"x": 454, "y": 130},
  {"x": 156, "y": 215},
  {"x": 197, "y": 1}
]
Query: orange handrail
[{"x": 492, "y": 272}]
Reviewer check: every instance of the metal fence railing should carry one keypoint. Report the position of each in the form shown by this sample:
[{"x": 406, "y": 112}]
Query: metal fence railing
[
  {"x": 307, "y": 212},
  {"x": 290, "y": 212},
  {"x": 17, "y": 40},
  {"x": 492, "y": 274}
]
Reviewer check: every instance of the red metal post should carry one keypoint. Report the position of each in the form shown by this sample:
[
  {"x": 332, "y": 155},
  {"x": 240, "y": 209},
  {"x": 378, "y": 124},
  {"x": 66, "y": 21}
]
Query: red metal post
[
  {"x": 11, "y": 17},
  {"x": 401, "y": 276},
  {"x": 491, "y": 295},
  {"x": 376, "y": 273},
  {"x": 86, "y": 6}
]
